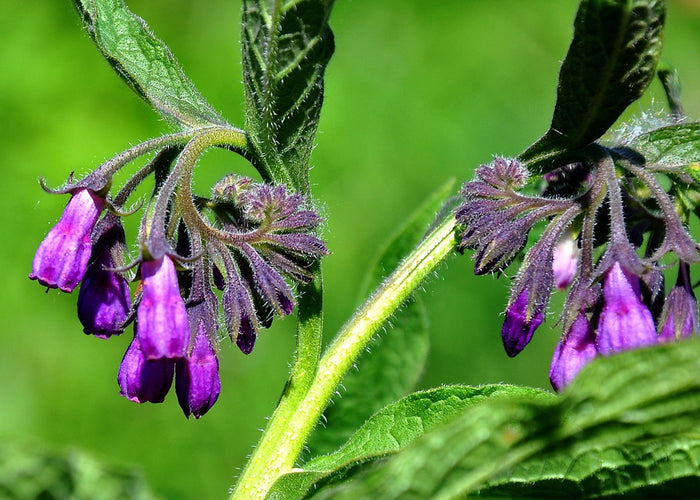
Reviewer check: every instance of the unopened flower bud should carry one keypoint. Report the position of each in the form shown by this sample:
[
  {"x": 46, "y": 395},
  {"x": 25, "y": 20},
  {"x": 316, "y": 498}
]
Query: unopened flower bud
[
  {"x": 679, "y": 317},
  {"x": 565, "y": 262},
  {"x": 519, "y": 326}
]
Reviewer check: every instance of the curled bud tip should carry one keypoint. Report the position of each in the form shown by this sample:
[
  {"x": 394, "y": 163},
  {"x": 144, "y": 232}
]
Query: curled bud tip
[{"x": 518, "y": 328}]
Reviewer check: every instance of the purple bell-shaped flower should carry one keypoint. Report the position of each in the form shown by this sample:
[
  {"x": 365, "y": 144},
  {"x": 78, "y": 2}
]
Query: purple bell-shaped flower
[
  {"x": 625, "y": 322},
  {"x": 63, "y": 256},
  {"x": 161, "y": 325},
  {"x": 197, "y": 377},
  {"x": 142, "y": 380},
  {"x": 104, "y": 302}
]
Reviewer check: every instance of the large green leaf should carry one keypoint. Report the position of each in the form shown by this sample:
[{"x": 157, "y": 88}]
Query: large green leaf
[
  {"x": 663, "y": 468},
  {"x": 390, "y": 430},
  {"x": 31, "y": 472},
  {"x": 611, "y": 61},
  {"x": 145, "y": 63},
  {"x": 628, "y": 399},
  {"x": 286, "y": 47},
  {"x": 393, "y": 362}
]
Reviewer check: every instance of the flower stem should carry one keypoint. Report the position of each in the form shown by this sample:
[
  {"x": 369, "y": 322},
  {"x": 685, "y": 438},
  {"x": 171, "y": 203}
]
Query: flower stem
[{"x": 302, "y": 404}]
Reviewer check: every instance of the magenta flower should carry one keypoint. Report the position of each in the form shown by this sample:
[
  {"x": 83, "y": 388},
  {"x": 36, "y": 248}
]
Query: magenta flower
[
  {"x": 161, "y": 320},
  {"x": 62, "y": 258},
  {"x": 142, "y": 380},
  {"x": 572, "y": 353},
  {"x": 519, "y": 326},
  {"x": 625, "y": 322},
  {"x": 104, "y": 302},
  {"x": 197, "y": 377},
  {"x": 565, "y": 262}
]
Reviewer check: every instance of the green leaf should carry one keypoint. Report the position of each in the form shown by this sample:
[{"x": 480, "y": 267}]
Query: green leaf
[
  {"x": 391, "y": 366},
  {"x": 31, "y": 472},
  {"x": 671, "y": 146},
  {"x": 611, "y": 61},
  {"x": 617, "y": 401},
  {"x": 392, "y": 429},
  {"x": 145, "y": 63},
  {"x": 286, "y": 47},
  {"x": 662, "y": 468}
]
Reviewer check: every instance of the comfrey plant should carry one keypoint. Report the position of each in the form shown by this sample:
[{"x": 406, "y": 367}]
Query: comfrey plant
[
  {"x": 603, "y": 219},
  {"x": 612, "y": 228}
]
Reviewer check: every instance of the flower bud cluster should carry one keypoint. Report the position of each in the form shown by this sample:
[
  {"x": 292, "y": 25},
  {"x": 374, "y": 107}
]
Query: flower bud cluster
[
  {"x": 605, "y": 242},
  {"x": 230, "y": 260}
]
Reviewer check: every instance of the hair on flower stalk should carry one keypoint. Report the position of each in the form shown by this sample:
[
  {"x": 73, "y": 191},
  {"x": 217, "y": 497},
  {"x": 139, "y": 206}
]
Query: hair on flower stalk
[
  {"x": 606, "y": 243},
  {"x": 251, "y": 240}
]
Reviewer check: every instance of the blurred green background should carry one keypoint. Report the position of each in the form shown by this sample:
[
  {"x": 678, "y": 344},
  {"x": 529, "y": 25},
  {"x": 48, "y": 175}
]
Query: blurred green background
[{"x": 417, "y": 92}]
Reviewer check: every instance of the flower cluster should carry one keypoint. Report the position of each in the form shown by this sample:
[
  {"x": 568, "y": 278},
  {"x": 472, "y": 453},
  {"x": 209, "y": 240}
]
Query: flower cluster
[
  {"x": 230, "y": 259},
  {"x": 605, "y": 239}
]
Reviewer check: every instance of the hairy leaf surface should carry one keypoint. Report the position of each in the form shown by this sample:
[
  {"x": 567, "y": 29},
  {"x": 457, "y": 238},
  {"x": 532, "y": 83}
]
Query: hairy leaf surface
[
  {"x": 611, "y": 61},
  {"x": 145, "y": 63},
  {"x": 670, "y": 146},
  {"x": 663, "y": 468},
  {"x": 627, "y": 399},
  {"x": 390, "y": 430},
  {"x": 286, "y": 47}
]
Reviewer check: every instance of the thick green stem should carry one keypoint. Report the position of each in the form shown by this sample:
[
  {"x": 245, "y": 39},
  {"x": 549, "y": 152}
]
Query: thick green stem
[{"x": 300, "y": 408}]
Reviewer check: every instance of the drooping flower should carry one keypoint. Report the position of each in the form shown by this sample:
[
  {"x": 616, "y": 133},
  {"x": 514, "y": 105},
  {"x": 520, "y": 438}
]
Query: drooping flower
[
  {"x": 63, "y": 256},
  {"x": 625, "y": 322},
  {"x": 679, "y": 317},
  {"x": 519, "y": 325},
  {"x": 565, "y": 262},
  {"x": 572, "y": 353},
  {"x": 161, "y": 325},
  {"x": 197, "y": 377},
  {"x": 140, "y": 379},
  {"x": 103, "y": 301}
]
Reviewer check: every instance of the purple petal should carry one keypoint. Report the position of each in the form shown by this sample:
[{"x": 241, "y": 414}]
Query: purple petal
[
  {"x": 141, "y": 380},
  {"x": 565, "y": 263},
  {"x": 162, "y": 325},
  {"x": 625, "y": 322},
  {"x": 572, "y": 353},
  {"x": 679, "y": 318},
  {"x": 197, "y": 377},
  {"x": 103, "y": 301},
  {"x": 518, "y": 326}
]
